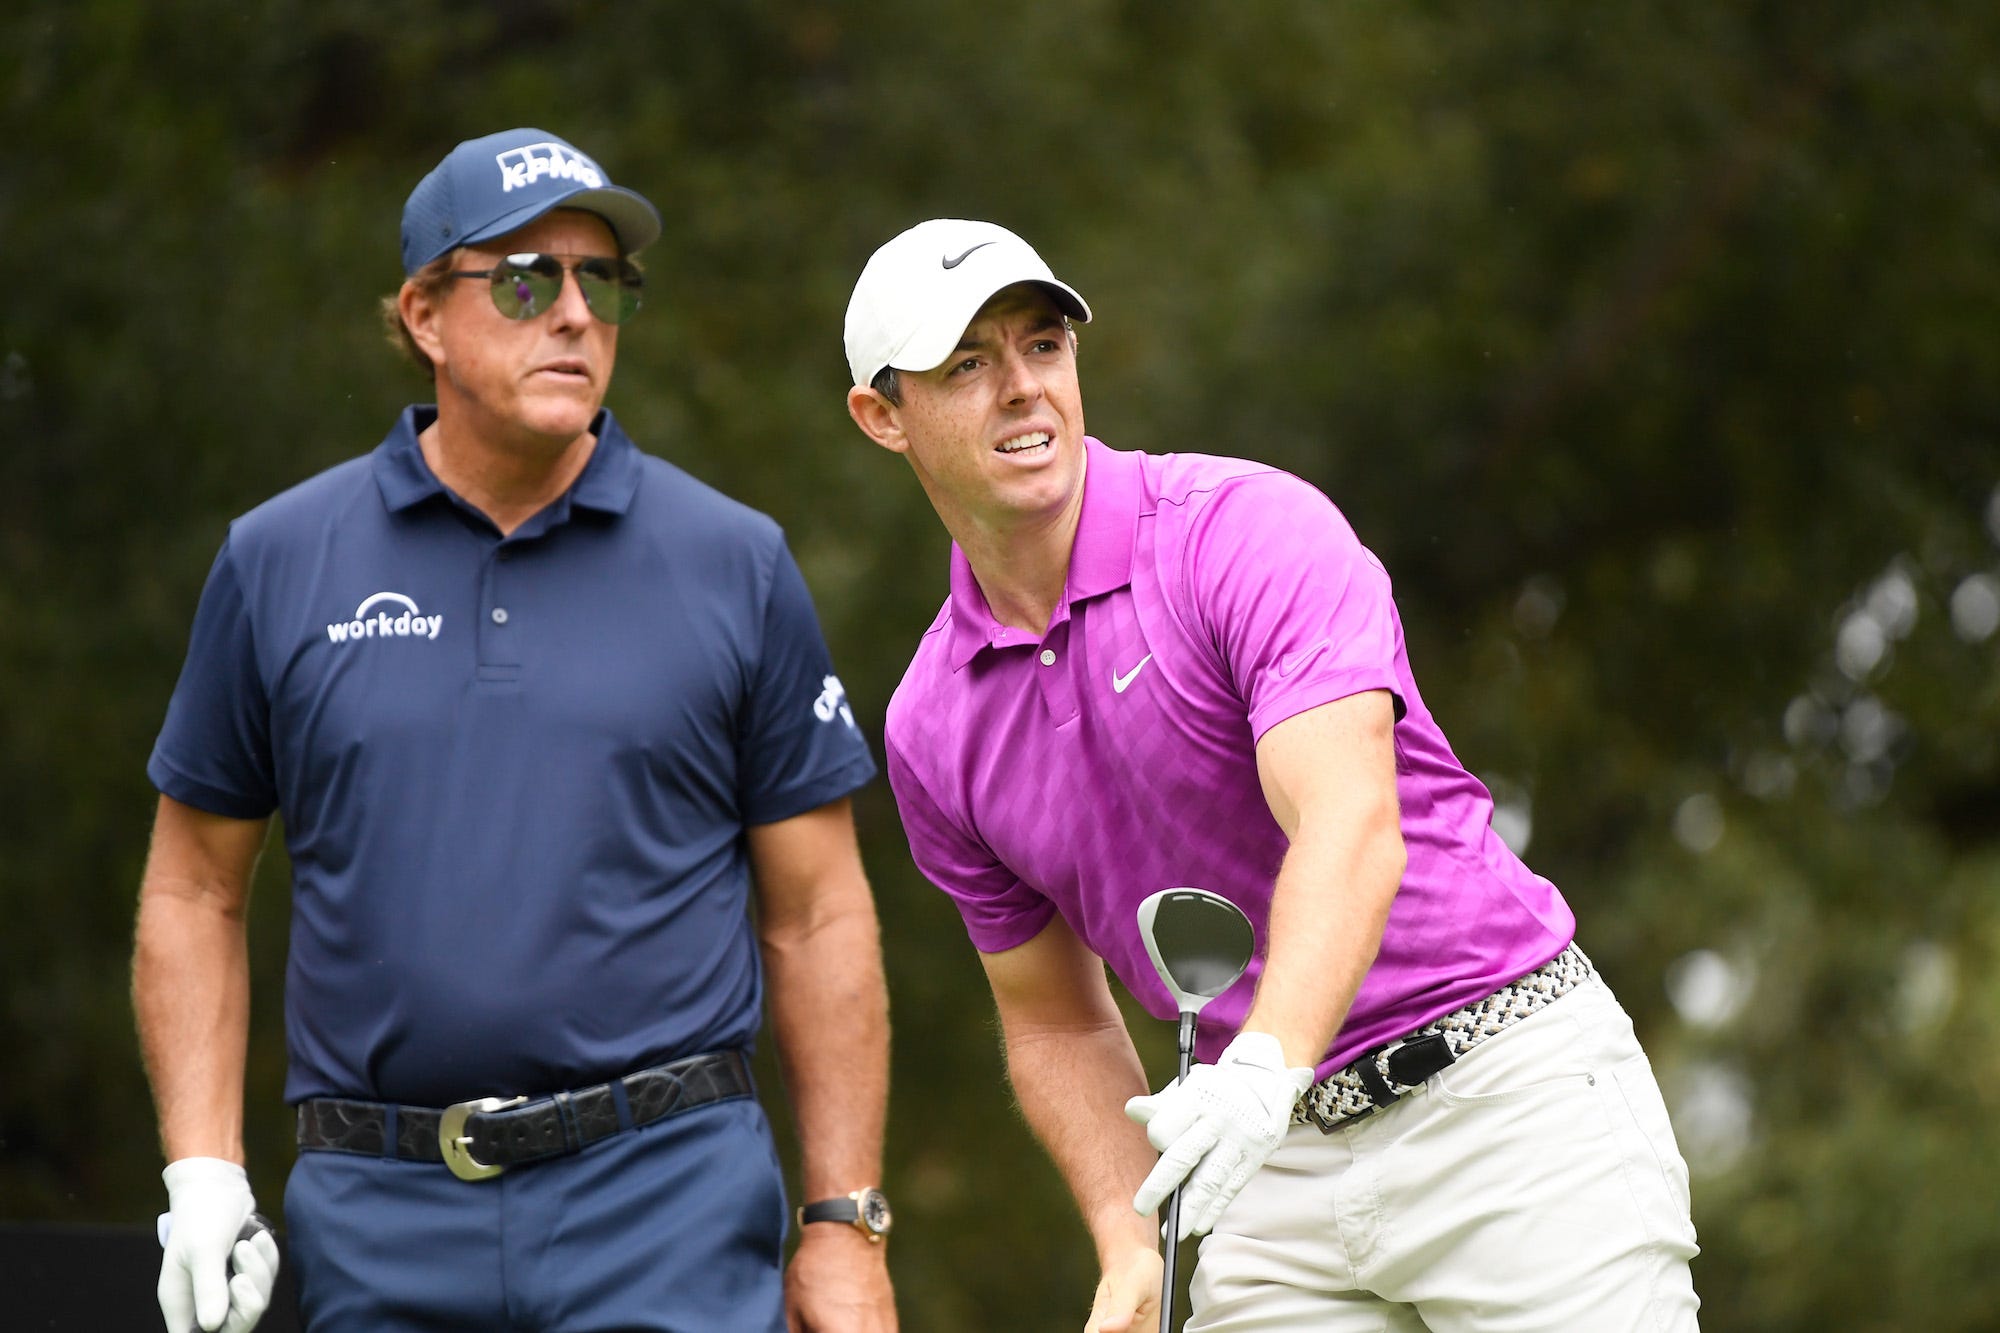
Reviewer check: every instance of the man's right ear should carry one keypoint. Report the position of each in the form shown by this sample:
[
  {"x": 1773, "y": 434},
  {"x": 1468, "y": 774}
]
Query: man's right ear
[
  {"x": 418, "y": 307},
  {"x": 880, "y": 420}
]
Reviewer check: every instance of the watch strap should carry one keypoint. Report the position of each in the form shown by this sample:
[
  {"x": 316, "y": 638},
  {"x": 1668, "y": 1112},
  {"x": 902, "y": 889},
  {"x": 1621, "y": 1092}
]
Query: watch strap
[{"x": 843, "y": 1209}]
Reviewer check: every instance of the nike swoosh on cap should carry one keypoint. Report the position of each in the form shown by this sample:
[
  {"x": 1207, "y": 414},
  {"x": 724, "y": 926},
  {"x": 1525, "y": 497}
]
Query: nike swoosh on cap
[{"x": 954, "y": 263}]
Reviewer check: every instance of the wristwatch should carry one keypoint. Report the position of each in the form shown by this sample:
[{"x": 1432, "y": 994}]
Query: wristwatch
[{"x": 866, "y": 1210}]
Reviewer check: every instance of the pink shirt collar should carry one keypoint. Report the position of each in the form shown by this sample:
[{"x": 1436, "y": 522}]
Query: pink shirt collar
[{"x": 1100, "y": 561}]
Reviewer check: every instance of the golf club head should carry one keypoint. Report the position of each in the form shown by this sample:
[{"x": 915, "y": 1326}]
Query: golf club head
[{"x": 1199, "y": 942}]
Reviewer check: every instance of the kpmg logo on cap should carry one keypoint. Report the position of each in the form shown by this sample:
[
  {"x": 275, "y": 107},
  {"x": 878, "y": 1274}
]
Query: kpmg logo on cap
[
  {"x": 522, "y": 167},
  {"x": 406, "y": 622}
]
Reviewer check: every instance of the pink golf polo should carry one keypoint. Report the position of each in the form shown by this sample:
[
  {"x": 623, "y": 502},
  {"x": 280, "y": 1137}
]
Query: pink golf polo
[{"x": 1208, "y": 599}]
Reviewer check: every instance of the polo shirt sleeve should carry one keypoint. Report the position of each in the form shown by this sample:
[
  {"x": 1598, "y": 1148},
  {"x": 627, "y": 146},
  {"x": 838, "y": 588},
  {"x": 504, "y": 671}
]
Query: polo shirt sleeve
[
  {"x": 214, "y": 750},
  {"x": 799, "y": 746},
  {"x": 1299, "y": 611},
  {"x": 999, "y": 910}
]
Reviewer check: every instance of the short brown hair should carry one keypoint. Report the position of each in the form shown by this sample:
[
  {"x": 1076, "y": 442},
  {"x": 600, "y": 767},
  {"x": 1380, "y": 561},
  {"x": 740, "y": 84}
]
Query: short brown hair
[{"x": 430, "y": 280}]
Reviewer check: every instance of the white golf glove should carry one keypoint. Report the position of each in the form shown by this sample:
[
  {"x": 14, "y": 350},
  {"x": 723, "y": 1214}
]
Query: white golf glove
[
  {"x": 208, "y": 1202},
  {"x": 1219, "y": 1123}
]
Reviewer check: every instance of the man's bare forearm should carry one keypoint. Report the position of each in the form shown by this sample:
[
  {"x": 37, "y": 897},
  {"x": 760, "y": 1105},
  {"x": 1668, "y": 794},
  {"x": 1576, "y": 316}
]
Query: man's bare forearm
[
  {"x": 1072, "y": 1084},
  {"x": 830, "y": 1018},
  {"x": 1328, "y": 911},
  {"x": 1329, "y": 775},
  {"x": 191, "y": 976},
  {"x": 191, "y": 996}
]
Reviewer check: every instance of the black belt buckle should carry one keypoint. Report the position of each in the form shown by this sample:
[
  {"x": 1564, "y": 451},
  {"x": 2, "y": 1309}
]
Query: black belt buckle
[
  {"x": 1418, "y": 1058},
  {"x": 456, "y": 1144},
  {"x": 1409, "y": 1064}
]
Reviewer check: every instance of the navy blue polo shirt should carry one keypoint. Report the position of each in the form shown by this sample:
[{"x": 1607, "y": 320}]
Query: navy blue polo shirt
[{"x": 514, "y": 774}]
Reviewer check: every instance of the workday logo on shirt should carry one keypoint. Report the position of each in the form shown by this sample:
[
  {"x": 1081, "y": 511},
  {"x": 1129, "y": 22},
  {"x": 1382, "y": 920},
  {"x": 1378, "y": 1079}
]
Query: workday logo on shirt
[
  {"x": 522, "y": 167},
  {"x": 397, "y": 618}
]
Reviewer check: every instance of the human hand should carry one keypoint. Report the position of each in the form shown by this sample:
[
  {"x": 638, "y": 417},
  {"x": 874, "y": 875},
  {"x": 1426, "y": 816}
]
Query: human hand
[
  {"x": 838, "y": 1282},
  {"x": 211, "y": 1223},
  {"x": 1219, "y": 1123},
  {"x": 1128, "y": 1293}
]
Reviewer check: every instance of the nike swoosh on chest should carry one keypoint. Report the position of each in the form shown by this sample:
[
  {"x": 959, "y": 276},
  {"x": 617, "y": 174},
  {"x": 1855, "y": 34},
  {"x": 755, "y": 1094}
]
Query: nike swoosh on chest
[{"x": 1120, "y": 683}]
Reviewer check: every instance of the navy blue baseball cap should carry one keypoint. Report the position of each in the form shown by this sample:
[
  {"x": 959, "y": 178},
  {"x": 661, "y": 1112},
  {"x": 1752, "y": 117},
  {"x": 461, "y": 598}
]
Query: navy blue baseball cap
[{"x": 488, "y": 187}]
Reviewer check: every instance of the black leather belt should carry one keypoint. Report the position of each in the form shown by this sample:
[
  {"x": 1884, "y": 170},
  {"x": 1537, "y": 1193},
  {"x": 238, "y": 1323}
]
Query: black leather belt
[{"x": 481, "y": 1138}]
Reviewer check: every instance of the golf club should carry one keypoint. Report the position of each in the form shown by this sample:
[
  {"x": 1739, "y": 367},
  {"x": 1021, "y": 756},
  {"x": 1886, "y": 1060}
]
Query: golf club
[{"x": 1199, "y": 942}]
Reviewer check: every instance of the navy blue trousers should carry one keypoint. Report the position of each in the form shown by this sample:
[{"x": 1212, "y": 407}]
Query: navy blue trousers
[{"x": 677, "y": 1227}]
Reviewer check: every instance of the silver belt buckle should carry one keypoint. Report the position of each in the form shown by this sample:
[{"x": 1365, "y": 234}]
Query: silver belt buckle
[{"x": 456, "y": 1144}]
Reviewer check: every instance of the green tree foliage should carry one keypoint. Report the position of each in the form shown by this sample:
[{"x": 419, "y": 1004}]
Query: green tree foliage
[{"x": 1651, "y": 347}]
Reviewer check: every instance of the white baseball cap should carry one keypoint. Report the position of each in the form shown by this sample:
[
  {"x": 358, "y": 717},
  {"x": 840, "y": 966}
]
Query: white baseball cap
[{"x": 919, "y": 291}]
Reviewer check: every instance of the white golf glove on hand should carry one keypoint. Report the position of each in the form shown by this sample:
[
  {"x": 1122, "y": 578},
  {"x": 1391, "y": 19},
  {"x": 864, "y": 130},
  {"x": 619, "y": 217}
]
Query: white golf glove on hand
[
  {"x": 1220, "y": 1122},
  {"x": 208, "y": 1202}
]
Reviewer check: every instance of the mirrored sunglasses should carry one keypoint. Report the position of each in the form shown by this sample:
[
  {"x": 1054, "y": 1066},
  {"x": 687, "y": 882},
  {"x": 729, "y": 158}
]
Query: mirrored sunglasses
[{"x": 525, "y": 285}]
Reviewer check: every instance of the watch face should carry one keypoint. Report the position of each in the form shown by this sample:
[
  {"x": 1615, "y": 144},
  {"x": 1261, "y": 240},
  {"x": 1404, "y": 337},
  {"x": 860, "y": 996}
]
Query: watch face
[{"x": 875, "y": 1211}]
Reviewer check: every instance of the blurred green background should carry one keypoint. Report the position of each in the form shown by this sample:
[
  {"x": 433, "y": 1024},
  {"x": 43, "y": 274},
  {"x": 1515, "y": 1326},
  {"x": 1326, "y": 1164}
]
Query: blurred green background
[{"x": 1652, "y": 347}]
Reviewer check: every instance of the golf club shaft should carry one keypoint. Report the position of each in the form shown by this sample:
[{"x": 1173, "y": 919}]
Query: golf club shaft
[{"x": 1167, "y": 1282}]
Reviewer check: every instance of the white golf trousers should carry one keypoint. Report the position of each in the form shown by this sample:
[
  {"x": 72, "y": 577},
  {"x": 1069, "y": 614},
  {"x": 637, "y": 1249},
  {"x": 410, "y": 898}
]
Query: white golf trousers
[{"x": 1533, "y": 1186}]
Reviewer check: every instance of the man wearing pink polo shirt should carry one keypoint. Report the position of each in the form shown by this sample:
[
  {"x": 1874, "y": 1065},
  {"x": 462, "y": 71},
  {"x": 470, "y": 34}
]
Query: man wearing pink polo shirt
[{"x": 1420, "y": 1108}]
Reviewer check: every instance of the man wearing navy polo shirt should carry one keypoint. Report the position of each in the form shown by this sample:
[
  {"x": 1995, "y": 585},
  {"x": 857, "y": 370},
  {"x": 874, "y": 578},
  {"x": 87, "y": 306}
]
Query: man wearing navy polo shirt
[
  {"x": 542, "y": 716},
  {"x": 1421, "y": 1108}
]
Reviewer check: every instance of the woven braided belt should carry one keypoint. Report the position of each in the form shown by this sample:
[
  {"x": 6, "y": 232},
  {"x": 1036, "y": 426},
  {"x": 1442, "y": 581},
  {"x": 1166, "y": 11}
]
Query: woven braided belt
[{"x": 1385, "y": 1073}]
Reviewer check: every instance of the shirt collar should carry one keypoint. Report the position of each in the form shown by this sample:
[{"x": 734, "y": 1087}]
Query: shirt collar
[
  {"x": 1100, "y": 559},
  {"x": 607, "y": 484}
]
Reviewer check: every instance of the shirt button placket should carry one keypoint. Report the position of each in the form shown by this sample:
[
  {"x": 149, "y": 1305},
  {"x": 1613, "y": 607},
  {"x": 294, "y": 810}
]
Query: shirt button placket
[
  {"x": 498, "y": 645},
  {"x": 1058, "y": 690}
]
